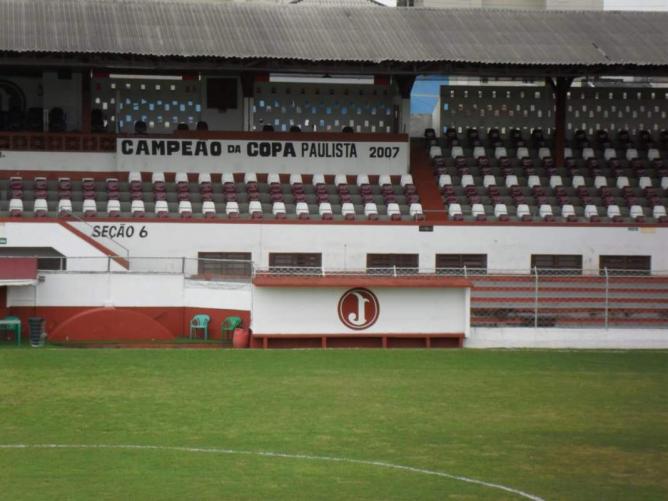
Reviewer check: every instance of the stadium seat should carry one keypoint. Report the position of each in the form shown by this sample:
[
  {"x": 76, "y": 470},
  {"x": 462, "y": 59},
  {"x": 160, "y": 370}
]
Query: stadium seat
[
  {"x": 568, "y": 152},
  {"x": 600, "y": 182},
  {"x": 348, "y": 211},
  {"x": 250, "y": 179},
  {"x": 588, "y": 153},
  {"x": 296, "y": 180},
  {"x": 40, "y": 207},
  {"x": 415, "y": 211},
  {"x": 208, "y": 209},
  {"x": 135, "y": 181},
  {"x": 664, "y": 183},
  {"x": 457, "y": 151},
  {"x": 544, "y": 153},
  {"x": 659, "y": 213},
  {"x": 637, "y": 214},
  {"x": 185, "y": 209},
  {"x": 137, "y": 208},
  {"x": 158, "y": 181},
  {"x": 113, "y": 208},
  {"x": 501, "y": 212},
  {"x": 455, "y": 212},
  {"x": 393, "y": 211},
  {"x": 273, "y": 179},
  {"x": 545, "y": 212},
  {"x": 371, "y": 211},
  {"x": 161, "y": 208},
  {"x": 609, "y": 153},
  {"x": 318, "y": 179},
  {"x": 278, "y": 210},
  {"x": 467, "y": 180},
  {"x": 478, "y": 212},
  {"x": 181, "y": 180},
  {"x": 488, "y": 180},
  {"x": 325, "y": 210},
  {"x": 301, "y": 209},
  {"x": 204, "y": 178},
  {"x": 384, "y": 180},
  {"x": 568, "y": 212},
  {"x": 644, "y": 182},
  {"x": 500, "y": 151},
  {"x": 653, "y": 154},
  {"x": 511, "y": 181},
  {"x": 255, "y": 209},
  {"x": 406, "y": 180},
  {"x": 89, "y": 208},
  {"x": 362, "y": 180},
  {"x": 578, "y": 181},
  {"x": 622, "y": 182},
  {"x": 522, "y": 152},
  {"x": 435, "y": 151},
  {"x": 524, "y": 212},
  {"x": 591, "y": 213},
  {"x": 479, "y": 151},
  {"x": 340, "y": 180},
  {"x": 227, "y": 178},
  {"x": 446, "y": 180},
  {"x": 232, "y": 209},
  {"x": 533, "y": 181},
  {"x": 614, "y": 214},
  {"x": 64, "y": 207},
  {"x": 555, "y": 181},
  {"x": 631, "y": 153}
]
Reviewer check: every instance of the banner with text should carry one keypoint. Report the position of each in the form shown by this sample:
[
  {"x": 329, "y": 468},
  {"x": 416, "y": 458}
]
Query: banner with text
[{"x": 230, "y": 155}]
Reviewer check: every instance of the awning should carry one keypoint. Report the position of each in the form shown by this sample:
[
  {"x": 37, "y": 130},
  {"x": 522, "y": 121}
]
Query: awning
[{"x": 18, "y": 271}]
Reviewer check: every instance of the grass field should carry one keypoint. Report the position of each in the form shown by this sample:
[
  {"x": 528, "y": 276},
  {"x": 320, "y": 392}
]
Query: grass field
[{"x": 557, "y": 425}]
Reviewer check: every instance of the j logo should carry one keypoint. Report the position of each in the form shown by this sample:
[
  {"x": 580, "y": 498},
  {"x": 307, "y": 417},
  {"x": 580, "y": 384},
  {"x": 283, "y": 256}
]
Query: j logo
[{"x": 358, "y": 309}]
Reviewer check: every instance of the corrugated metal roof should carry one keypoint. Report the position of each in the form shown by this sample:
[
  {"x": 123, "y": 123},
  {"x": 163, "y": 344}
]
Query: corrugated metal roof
[{"x": 313, "y": 33}]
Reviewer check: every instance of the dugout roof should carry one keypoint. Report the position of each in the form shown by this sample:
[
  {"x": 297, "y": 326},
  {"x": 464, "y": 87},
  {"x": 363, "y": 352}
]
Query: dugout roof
[{"x": 266, "y": 36}]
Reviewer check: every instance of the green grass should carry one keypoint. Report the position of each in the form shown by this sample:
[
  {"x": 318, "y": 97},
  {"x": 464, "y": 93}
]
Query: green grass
[{"x": 560, "y": 425}]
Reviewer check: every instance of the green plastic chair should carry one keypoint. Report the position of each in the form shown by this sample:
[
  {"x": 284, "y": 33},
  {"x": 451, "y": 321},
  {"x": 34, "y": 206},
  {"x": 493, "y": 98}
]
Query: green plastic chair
[
  {"x": 229, "y": 324},
  {"x": 200, "y": 321}
]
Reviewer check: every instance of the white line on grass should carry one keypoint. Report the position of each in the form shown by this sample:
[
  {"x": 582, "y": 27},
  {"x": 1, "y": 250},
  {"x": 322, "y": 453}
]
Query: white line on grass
[{"x": 380, "y": 464}]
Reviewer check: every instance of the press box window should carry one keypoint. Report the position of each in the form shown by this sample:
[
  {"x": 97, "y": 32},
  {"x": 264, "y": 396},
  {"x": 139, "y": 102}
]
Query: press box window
[
  {"x": 626, "y": 265},
  {"x": 558, "y": 262},
  {"x": 221, "y": 93},
  {"x": 295, "y": 260},
  {"x": 387, "y": 263},
  {"x": 225, "y": 264},
  {"x": 451, "y": 263}
]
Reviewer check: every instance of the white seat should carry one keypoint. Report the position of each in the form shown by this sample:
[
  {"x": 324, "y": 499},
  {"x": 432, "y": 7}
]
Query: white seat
[
  {"x": 523, "y": 211},
  {"x": 500, "y": 210},
  {"x": 204, "y": 178},
  {"x": 161, "y": 207},
  {"x": 340, "y": 179},
  {"x": 477, "y": 210},
  {"x": 590, "y": 211},
  {"x": 90, "y": 206},
  {"x": 600, "y": 182},
  {"x": 455, "y": 210},
  {"x": 370, "y": 210},
  {"x": 622, "y": 182},
  {"x": 613, "y": 211},
  {"x": 588, "y": 153},
  {"x": 544, "y": 152},
  {"x": 65, "y": 206},
  {"x": 653, "y": 154},
  {"x": 446, "y": 180},
  {"x": 113, "y": 207},
  {"x": 406, "y": 179},
  {"x": 635, "y": 211},
  {"x": 415, "y": 211},
  {"x": 362, "y": 179},
  {"x": 181, "y": 177},
  {"x": 658, "y": 211},
  {"x": 664, "y": 183},
  {"x": 278, "y": 209},
  {"x": 15, "y": 206},
  {"x": 567, "y": 210},
  {"x": 631, "y": 153},
  {"x": 185, "y": 208},
  {"x": 609, "y": 153},
  {"x": 325, "y": 209},
  {"x": 644, "y": 182},
  {"x": 137, "y": 207},
  {"x": 545, "y": 211},
  {"x": 158, "y": 177},
  {"x": 457, "y": 151},
  {"x": 511, "y": 180},
  {"x": 533, "y": 180},
  {"x": 250, "y": 177},
  {"x": 500, "y": 151},
  {"x": 296, "y": 179},
  {"x": 301, "y": 209},
  {"x": 134, "y": 177},
  {"x": 384, "y": 180},
  {"x": 555, "y": 181},
  {"x": 488, "y": 180},
  {"x": 348, "y": 210},
  {"x": 435, "y": 151},
  {"x": 578, "y": 181},
  {"x": 318, "y": 179},
  {"x": 273, "y": 179},
  {"x": 568, "y": 152},
  {"x": 208, "y": 208},
  {"x": 41, "y": 207},
  {"x": 479, "y": 151},
  {"x": 522, "y": 152},
  {"x": 254, "y": 207},
  {"x": 467, "y": 180},
  {"x": 232, "y": 208},
  {"x": 393, "y": 210},
  {"x": 227, "y": 178}
]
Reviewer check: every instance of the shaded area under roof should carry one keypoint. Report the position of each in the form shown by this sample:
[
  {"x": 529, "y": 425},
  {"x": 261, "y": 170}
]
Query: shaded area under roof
[{"x": 329, "y": 34}]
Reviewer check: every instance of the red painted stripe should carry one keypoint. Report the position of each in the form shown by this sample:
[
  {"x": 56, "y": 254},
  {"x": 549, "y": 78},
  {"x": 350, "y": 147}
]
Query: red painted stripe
[
  {"x": 18, "y": 268},
  {"x": 268, "y": 280},
  {"x": 121, "y": 261}
]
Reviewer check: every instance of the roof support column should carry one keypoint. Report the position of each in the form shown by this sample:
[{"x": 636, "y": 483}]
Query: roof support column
[
  {"x": 560, "y": 86},
  {"x": 86, "y": 102},
  {"x": 248, "y": 94},
  {"x": 402, "y": 112}
]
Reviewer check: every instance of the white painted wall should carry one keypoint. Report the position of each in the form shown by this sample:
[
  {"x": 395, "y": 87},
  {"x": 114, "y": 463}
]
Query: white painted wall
[
  {"x": 55, "y": 161},
  {"x": 484, "y": 337},
  {"x": 315, "y": 311},
  {"x": 346, "y": 246},
  {"x": 122, "y": 289}
]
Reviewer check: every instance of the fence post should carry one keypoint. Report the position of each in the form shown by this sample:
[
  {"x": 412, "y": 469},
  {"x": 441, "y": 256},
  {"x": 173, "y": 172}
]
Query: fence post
[
  {"x": 394, "y": 268},
  {"x": 183, "y": 265},
  {"x": 61, "y": 266},
  {"x": 535, "y": 313},
  {"x": 108, "y": 264},
  {"x": 466, "y": 275},
  {"x": 607, "y": 295}
]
